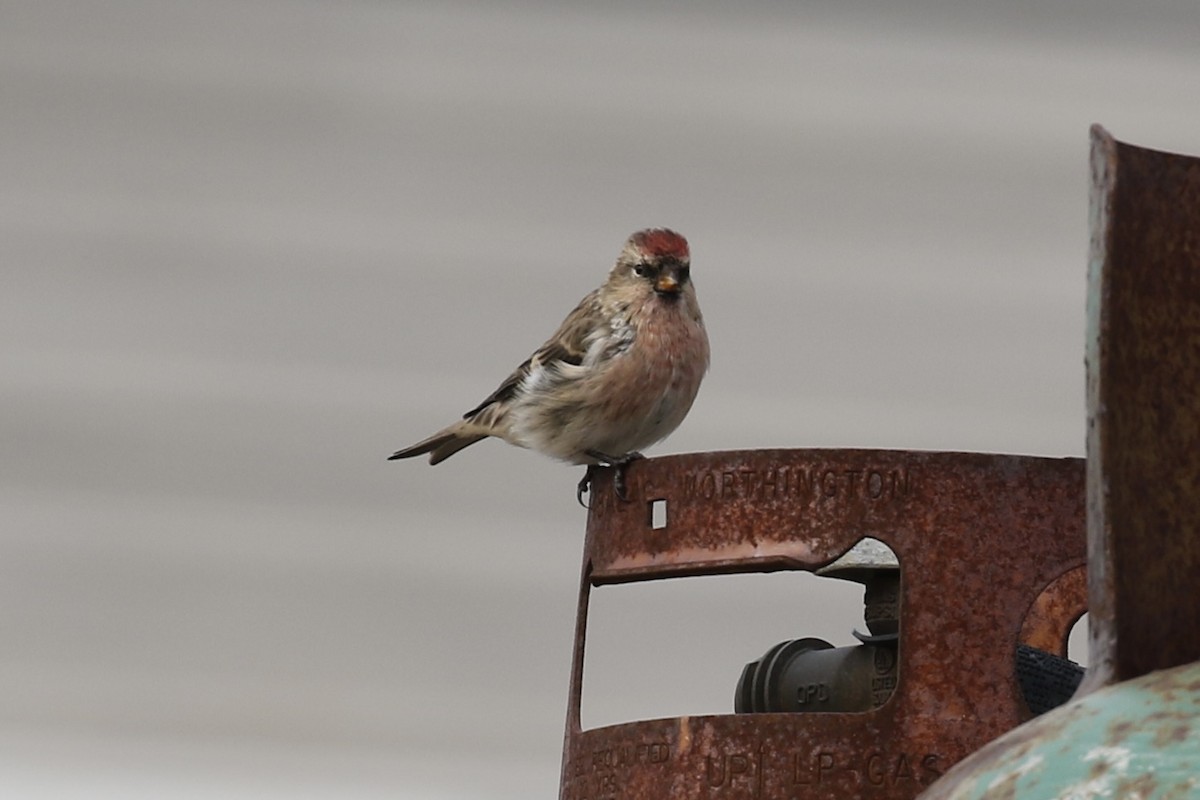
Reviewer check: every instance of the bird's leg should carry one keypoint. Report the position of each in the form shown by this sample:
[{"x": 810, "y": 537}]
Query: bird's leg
[
  {"x": 619, "y": 463},
  {"x": 619, "y": 476}
]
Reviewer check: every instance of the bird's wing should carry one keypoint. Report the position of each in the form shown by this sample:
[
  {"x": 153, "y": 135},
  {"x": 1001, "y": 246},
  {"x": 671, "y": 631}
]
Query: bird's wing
[{"x": 567, "y": 347}]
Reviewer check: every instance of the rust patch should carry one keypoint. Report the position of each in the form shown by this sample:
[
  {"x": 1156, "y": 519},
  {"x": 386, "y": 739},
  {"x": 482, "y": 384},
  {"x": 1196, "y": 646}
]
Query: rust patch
[
  {"x": 1141, "y": 786},
  {"x": 1119, "y": 731}
]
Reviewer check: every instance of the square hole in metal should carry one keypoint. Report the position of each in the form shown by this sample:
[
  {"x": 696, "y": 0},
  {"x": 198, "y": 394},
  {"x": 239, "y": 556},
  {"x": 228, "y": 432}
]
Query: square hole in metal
[{"x": 658, "y": 514}]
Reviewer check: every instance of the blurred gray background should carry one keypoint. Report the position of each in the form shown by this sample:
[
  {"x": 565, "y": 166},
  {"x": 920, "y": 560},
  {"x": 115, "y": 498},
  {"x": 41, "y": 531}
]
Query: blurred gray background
[{"x": 249, "y": 249}]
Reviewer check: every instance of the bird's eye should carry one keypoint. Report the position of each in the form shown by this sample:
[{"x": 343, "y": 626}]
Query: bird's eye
[
  {"x": 683, "y": 273},
  {"x": 643, "y": 270}
]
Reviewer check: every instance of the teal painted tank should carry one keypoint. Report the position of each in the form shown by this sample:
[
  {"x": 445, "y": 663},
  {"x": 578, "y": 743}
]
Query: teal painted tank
[{"x": 1137, "y": 740}]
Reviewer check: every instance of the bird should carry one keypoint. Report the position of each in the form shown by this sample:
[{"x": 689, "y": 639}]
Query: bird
[{"x": 619, "y": 375}]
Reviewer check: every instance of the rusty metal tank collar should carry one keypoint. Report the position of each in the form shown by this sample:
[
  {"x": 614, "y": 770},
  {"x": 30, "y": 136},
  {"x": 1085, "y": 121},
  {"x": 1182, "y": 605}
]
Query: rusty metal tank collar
[{"x": 985, "y": 543}]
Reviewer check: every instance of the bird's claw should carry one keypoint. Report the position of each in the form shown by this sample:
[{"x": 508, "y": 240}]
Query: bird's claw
[
  {"x": 584, "y": 487},
  {"x": 619, "y": 465}
]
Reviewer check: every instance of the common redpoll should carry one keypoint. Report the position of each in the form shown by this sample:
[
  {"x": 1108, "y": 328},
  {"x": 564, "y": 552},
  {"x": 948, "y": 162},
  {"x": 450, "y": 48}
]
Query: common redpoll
[{"x": 620, "y": 373}]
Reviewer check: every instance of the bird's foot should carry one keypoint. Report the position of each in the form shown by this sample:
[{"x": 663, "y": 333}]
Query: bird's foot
[
  {"x": 619, "y": 476},
  {"x": 618, "y": 463},
  {"x": 584, "y": 487}
]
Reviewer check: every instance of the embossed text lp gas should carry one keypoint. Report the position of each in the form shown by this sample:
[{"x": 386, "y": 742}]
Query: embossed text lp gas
[{"x": 1003, "y": 537}]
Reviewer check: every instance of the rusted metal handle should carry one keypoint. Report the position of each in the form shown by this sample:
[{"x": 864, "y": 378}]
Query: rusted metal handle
[{"x": 1143, "y": 361}]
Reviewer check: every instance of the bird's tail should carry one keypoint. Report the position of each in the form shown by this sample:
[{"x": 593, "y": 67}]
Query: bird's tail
[{"x": 445, "y": 442}]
